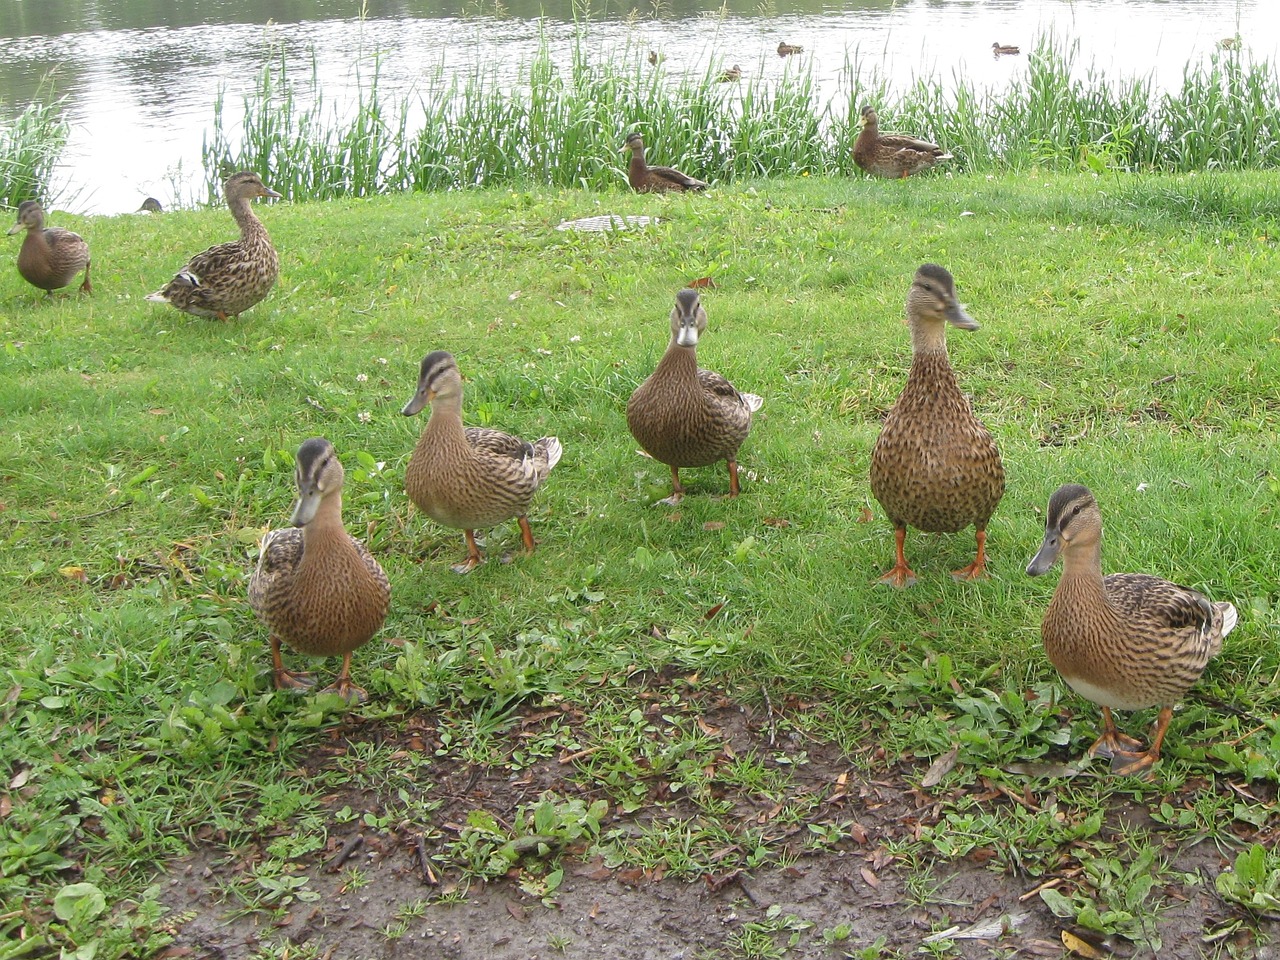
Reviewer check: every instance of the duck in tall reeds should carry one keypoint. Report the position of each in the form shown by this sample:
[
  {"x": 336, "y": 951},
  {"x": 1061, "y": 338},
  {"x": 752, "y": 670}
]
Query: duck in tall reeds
[
  {"x": 999, "y": 49},
  {"x": 731, "y": 75},
  {"x": 655, "y": 58},
  {"x": 1230, "y": 43},
  {"x": 646, "y": 179},
  {"x": 151, "y": 205},
  {"x": 684, "y": 416},
  {"x": 470, "y": 478},
  {"x": 316, "y": 587},
  {"x": 50, "y": 257},
  {"x": 789, "y": 49},
  {"x": 1126, "y": 641},
  {"x": 892, "y": 155},
  {"x": 935, "y": 466},
  {"x": 225, "y": 280}
]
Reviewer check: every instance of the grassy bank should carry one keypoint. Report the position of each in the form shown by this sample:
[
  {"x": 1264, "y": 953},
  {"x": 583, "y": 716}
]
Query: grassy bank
[
  {"x": 1128, "y": 341},
  {"x": 561, "y": 124},
  {"x": 29, "y": 147}
]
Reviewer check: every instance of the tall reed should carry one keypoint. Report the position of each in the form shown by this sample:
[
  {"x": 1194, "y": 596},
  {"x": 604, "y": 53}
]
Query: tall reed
[
  {"x": 30, "y": 145},
  {"x": 562, "y": 124}
]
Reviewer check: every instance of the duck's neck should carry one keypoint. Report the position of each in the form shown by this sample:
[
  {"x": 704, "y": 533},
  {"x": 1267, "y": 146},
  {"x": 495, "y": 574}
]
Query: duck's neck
[
  {"x": 325, "y": 529},
  {"x": 678, "y": 361},
  {"x": 242, "y": 211},
  {"x": 1081, "y": 585},
  {"x": 637, "y": 164},
  {"x": 444, "y": 427},
  {"x": 929, "y": 338}
]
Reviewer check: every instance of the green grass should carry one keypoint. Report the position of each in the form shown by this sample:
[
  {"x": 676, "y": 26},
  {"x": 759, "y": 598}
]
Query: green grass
[
  {"x": 1128, "y": 341},
  {"x": 560, "y": 124}
]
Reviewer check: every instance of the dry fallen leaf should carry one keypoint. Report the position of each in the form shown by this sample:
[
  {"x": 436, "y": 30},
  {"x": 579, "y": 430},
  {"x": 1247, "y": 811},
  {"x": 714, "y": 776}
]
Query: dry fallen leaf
[
  {"x": 865, "y": 515},
  {"x": 702, "y": 283},
  {"x": 870, "y": 877},
  {"x": 713, "y": 525},
  {"x": 74, "y": 573},
  {"x": 940, "y": 767}
]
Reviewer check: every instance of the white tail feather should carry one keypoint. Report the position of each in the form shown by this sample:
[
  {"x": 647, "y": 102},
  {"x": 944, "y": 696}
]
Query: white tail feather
[{"x": 752, "y": 401}]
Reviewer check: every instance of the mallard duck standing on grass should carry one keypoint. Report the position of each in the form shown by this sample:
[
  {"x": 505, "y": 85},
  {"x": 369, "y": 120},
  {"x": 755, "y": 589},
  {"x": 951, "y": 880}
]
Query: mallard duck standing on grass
[
  {"x": 316, "y": 587},
  {"x": 892, "y": 155},
  {"x": 470, "y": 478},
  {"x": 1127, "y": 641},
  {"x": 646, "y": 179},
  {"x": 935, "y": 466},
  {"x": 229, "y": 278},
  {"x": 1004, "y": 50},
  {"x": 789, "y": 49},
  {"x": 50, "y": 257},
  {"x": 687, "y": 417}
]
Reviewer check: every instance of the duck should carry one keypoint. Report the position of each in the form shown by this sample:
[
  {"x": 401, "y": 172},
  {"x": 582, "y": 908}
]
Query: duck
[
  {"x": 892, "y": 155},
  {"x": 646, "y": 179},
  {"x": 50, "y": 257},
  {"x": 151, "y": 205},
  {"x": 935, "y": 466},
  {"x": 655, "y": 58},
  {"x": 1126, "y": 641},
  {"x": 316, "y": 587},
  {"x": 470, "y": 477},
  {"x": 1001, "y": 49},
  {"x": 685, "y": 416},
  {"x": 1230, "y": 43},
  {"x": 731, "y": 75},
  {"x": 789, "y": 49},
  {"x": 229, "y": 278}
]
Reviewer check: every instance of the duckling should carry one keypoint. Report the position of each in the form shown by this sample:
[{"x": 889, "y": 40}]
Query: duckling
[
  {"x": 151, "y": 205},
  {"x": 647, "y": 179},
  {"x": 229, "y": 278},
  {"x": 471, "y": 477},
  {"x": 789, "y": 49},
  {"x": 731, "y": 75},
  {"x": 892, "y": 155},
  {"x": 317, "y": 588},
  {"x": 50, "y": 257},
  {"x": 999, "y": 49},
  {"x": 1125, "y": 641},
  {"x": 935, "y": 466},
  {"x": 687, "y": 417}
]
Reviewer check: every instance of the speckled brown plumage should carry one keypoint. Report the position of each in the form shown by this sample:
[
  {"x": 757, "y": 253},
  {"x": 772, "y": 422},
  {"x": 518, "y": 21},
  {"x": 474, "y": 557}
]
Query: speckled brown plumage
[
  {"x": 316, "y": 588},
  {"x": 684, "y": 416},
  {"x": 646, "y": 179},
  {"x": 50, "y": 257},
  {"x": 935, "y": 466},
  {"x": 1126, "y": 641},
  {"x": 228, "y": 278},
  {"x": 892, "y": 155},
  {"x": 470, "y": 478}
]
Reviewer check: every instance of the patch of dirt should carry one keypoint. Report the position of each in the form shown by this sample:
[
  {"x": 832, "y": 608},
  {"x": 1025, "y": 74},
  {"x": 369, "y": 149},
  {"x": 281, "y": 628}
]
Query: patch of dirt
[{"x": 855, "y": 890}]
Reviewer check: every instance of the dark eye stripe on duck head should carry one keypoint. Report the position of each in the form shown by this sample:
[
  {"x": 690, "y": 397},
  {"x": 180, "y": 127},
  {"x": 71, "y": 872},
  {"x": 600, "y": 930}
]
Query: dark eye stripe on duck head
[
  {"x": 938, "y": 283},
  {"x": 437, "y": 369},
  {"x": 1068, "y": 502},
  {"x": 688, "y": 319},
  {"x": 319, "y": 473}
]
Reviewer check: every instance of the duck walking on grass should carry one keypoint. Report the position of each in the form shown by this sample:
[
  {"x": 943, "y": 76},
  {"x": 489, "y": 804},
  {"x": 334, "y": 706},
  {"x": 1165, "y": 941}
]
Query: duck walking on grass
[
  {"x": 316, "y": 587},
  {"x": 229, "y": 278},
  {"x": 646, "y": 179},
  {"x": 892, "y": 155},
  {"x": 935, "y": 466},
  {"x": 470, "y": 478},
  {"x": 1127, "y": 641},
  {"x": 50, "y": 257},
  {"x": 687, "y": 417}
]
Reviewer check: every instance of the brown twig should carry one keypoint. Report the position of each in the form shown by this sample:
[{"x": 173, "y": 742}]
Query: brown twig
[{"x": 345, "y": 853}]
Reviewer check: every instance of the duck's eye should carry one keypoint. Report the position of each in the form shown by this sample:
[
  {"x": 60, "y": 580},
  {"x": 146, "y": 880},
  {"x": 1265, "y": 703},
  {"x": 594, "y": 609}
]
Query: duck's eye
[{"x": 1075, "y": 511}]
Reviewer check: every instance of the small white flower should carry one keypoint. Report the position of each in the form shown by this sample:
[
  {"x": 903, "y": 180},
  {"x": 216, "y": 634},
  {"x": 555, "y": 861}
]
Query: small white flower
[
  {"x": 361, "y": 377},
  {"x": 575, "y": 338},
  {"x": 1142, "y": 487},
  {"x": 364, "y": 416},
  {"x": 545, "y": 353},
  {"x": 277, "y": 346},
  {"x": 383, "y": 361}
]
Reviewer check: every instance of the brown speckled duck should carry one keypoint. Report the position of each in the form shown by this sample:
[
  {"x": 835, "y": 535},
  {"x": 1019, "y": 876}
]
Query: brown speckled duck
[
  {"x": 934, "y": 466},
  {"x": 151, "y": 205},
  {"x": 50, "y": 257},
  {"x": 1127, "y": 641},
  {"x": 687, "y": 417},
  {"x": 731, "y": 75},
  {"x": 470, "y": 477},
  {"x": 229, "y": 278},
  {"x": 789, "y": 49},
  {"x": 999, "y": 49},
  {"x": 317, "y": 588},
  {"x": 892, "y": 155},
  {"x": 646, "y": 179}
]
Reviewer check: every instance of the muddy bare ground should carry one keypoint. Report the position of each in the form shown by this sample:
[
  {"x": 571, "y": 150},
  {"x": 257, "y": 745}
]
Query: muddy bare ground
[{"x": 625, "y": 911}]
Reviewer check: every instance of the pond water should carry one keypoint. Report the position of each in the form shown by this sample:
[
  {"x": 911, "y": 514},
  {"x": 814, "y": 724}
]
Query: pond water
[{"x": 141, "y": 76}]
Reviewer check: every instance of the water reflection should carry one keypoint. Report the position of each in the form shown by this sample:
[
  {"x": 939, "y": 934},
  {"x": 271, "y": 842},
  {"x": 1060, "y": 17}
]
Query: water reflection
[{"x": 141, "y": 77}]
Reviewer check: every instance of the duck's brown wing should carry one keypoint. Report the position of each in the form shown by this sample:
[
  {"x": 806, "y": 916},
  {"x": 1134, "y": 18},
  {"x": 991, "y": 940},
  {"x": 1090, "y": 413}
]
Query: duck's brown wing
[{"x": 681, "y": 181}]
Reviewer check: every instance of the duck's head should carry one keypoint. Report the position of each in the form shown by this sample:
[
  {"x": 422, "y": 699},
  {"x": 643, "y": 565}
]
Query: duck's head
[
  {"x": 246, "y": 185},
  {"x": 30, "y": 217},
  {"x": 688, "y": 319},
  {"x": 869, "y": 118},
  {"x": 151, "y": 205},
  {"x": 1072, "y": 521},
  {"x": 319, "y": 475},
  {"x": 633, "y": 142},
  {"x": 437, "y": 377},
  {"x": 933, "y": 299}
]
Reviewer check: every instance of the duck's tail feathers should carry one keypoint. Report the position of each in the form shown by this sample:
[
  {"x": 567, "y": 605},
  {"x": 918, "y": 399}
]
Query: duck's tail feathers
[
  {"x": 551, "y": 449},
  {"x": 752, "y": 401},
  {"x": 1229, "y": 616}
]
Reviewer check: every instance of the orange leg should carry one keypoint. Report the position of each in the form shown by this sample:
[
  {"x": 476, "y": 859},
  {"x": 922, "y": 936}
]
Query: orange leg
[
  {"x": 734, "y": 489},
  {"x": 287, "y": 679},
  {"x": 978, "y": 569},
  {"x": 1130, "y": 765},
  {"x": 677, "y": 491},
  {"x": 343, "y": 686},
  {"x": 473, "y": 555},
  {"x": 1113, "y": 743},
  {"x": 526, "y": 534},
  {"x": 901, "y": 575}
]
